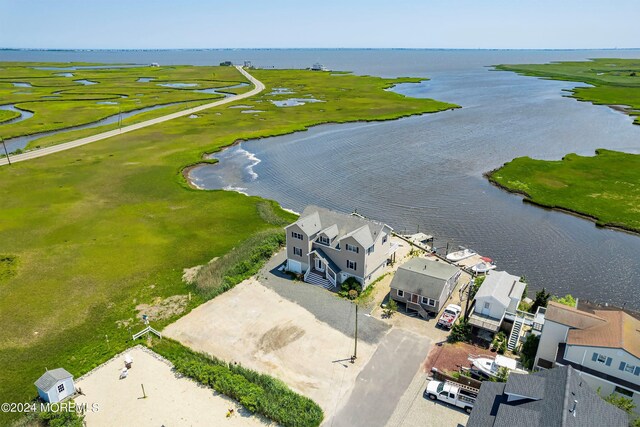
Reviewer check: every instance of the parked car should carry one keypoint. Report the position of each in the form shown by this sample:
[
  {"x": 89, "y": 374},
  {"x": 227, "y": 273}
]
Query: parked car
[
  {"x": 449, "y": 316},
  {"x": 451, "y": 394}
]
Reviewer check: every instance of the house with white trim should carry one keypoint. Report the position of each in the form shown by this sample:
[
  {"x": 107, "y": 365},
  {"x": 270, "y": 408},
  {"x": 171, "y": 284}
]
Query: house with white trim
[
  {"x": 602, "y": 343},
  {"x": 328, "y": 247}
]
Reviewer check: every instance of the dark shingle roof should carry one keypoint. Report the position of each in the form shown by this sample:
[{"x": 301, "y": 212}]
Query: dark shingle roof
[
  {"x": 566, "y": 401},
  {"x": 423, "y": 277},
  {"x": 315, "y": 219},
  {"x": 531, "y": 386},
  {"x": 50, "y": 378}
]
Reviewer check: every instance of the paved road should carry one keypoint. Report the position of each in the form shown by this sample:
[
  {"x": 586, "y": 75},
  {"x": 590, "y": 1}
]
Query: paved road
[
  {"x": 258, "y": 87},
  {"x": 415, "y": 410},
  {"x": 383, "y": 381}
]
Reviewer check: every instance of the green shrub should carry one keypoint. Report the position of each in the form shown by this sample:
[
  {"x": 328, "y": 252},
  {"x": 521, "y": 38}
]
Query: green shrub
[
  {"x": 529, "y": 350},
  {"x": 62, "y": 419},
  {"x": 566, "y": 300},
  {"x": 257, "y": 392},
  {"x": 461, "y": 331},
  {"x": 390, "y": 309},
  {"x": 350, "y": 284}
]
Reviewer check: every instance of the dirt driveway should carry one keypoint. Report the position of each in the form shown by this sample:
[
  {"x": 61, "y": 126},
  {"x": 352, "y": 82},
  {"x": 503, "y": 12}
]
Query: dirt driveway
[{"x": 256, "y": 327}]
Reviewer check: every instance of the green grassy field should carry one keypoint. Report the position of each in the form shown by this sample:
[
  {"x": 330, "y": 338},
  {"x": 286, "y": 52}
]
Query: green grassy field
[
  {"x": 615, "y": 81},
  {"x": 605, "y": 187},
  {"x": 93, "y": 232},
  {"x": 60, "y": 102}
]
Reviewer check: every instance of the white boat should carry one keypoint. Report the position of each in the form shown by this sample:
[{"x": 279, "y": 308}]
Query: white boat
[
  {"x": 483, "y": 267},
  {"x": 460, "y": 255},
  {"x": 491, "y": 365}
]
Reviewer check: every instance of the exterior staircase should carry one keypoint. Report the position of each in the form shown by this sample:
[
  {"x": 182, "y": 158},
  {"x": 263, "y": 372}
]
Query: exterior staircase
[
  {"x": 417, "y": 307},
  {"x": 318, "y": 280},
  {"x": 515, "y": 333}
]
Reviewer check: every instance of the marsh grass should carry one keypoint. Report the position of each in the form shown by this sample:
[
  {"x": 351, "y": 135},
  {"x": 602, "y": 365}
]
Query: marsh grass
[{"x": 107, "y": 226}]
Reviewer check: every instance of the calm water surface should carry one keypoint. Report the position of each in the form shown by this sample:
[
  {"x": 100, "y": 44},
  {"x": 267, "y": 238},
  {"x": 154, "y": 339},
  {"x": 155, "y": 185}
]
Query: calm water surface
[{"x": 426, "y": 171}]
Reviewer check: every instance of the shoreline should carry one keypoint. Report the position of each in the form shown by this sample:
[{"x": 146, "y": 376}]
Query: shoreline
[
  {"x": 526, "y": 198},
  {"x": 204, "y": 161}
]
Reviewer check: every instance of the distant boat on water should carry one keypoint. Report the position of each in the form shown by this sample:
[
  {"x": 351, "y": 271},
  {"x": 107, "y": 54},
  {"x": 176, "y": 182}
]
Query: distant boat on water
[{"x": 319, "y": 67}]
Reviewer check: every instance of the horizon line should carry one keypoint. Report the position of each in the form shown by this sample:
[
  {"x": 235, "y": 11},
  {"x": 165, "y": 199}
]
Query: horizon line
[{"x": 64, "y": 49}]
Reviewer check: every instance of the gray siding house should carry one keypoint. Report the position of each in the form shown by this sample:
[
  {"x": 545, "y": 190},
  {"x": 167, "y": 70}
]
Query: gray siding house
[
  {"x": 328, "y": 247},
  {"x": 557, "y": 397},
  {"x": 424, "y": 285}
]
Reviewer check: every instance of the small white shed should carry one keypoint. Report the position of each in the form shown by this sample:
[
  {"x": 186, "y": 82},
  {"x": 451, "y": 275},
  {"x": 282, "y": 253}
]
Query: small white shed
[{"x": 55, "y": 385}]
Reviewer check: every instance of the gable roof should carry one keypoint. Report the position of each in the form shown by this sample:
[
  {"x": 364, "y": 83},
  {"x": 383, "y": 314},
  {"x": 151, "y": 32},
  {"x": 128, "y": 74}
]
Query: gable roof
[
  {"x": 571, "y": 316},
  {"x": 51, "y": 378},
  {"x": 554, "y": 397},
  {"x": 340, "y": 225},
  {"x": 617, "y": 330},
  {"x": 502, "y": 286},
  {"x": 423, "y": 277}
]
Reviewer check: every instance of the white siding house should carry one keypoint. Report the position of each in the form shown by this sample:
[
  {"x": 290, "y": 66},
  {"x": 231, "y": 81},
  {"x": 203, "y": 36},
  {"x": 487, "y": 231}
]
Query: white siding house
[
  {"x": 55, "y": 385},
  {"x": 603, "y": 344},
  {"x": 499, "y": 294}
]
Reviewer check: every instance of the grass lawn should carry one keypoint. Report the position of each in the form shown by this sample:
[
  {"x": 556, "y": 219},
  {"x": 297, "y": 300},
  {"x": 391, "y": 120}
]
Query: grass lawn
[
  {"x": 605, "y": 187},
  {"x": 615, "y": 81},
  {"x": 88, "y": 234},
  {"x": 59, "y": 101}
]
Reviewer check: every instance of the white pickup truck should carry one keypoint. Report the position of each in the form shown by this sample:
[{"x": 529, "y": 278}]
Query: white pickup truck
[
  {"x": 449, "y": 316},
  {"x": 450, "y": 393}
]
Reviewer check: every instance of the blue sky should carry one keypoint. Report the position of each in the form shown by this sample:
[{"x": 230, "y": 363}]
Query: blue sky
[{"x": 104, "y": 24}]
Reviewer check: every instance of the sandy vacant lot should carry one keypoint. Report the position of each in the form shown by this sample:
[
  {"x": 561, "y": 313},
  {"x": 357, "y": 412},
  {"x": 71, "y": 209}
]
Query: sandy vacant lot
[
  {"x": 170, "y": 401},
  {"x": 256, "y": 327}
]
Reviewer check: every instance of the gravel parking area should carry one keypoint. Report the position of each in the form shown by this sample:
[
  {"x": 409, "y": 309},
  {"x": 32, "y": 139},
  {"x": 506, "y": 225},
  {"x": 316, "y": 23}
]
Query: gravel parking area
[{"x": 171, "y": 400}]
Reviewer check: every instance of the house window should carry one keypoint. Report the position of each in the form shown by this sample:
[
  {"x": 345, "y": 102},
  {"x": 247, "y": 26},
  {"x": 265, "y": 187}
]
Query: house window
[
  {"x": 384, "y": 239},
  {"x": 487, "y": 305},
  {"x": 324, "y": 240},
  {"x": 632, "y": 369},
  {"x": 400, "y": 293},
  {"x": 430, "y": 302},
  {"x": 601, "y": 358},
  {"x": 297, "y": 251},
  {"x": 60, "y": 388},
  {"x": 624, "y": 391},
  {"x": 296, "y": 235},
  {"x": 370, "y": 250},
  {"x": 351, "y": 264},
  {"x": 352, "y": 248}
]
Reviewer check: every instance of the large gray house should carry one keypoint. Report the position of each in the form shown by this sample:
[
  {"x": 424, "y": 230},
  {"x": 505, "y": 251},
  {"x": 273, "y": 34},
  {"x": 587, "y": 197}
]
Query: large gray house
[
  {"x": 424, "y": 285},
  {"x": 556, "y": 397},
  {"x": 328, "y": 247}
]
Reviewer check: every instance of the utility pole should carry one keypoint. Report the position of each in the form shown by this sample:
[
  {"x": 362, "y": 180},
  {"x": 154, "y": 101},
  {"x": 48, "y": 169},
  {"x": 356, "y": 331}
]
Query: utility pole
[
  {"x": 355, "y": 348},
  {"x": 5, "y": 151}
]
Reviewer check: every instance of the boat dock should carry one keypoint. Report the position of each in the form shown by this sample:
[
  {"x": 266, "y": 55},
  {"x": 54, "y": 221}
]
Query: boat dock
[{"x": 421, "y": 242}]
